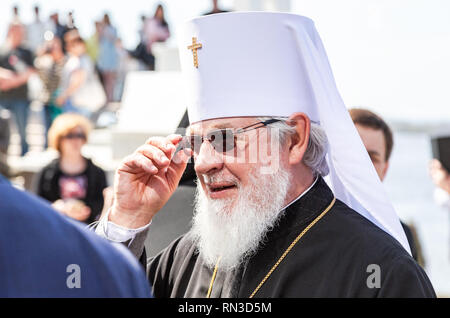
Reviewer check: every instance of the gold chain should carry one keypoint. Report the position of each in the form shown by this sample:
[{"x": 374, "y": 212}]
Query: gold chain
[
  {"x": 292, "y": 245},
  {"x": 282, "y": 256},
  {"x": 208, "y": 295}
]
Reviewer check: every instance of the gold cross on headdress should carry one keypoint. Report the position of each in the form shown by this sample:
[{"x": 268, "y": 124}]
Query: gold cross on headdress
[{"x": 194, "y": 47}]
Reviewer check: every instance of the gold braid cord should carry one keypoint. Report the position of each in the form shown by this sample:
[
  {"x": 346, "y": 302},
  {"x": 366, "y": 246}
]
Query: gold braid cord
[
  {"x": 208, "y": 295},
  {"x": 292, "y": 245}
]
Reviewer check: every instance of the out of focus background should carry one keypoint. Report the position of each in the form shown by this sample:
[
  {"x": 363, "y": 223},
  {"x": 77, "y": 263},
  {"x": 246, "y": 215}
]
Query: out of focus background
[{"x": 116, "y": 64}]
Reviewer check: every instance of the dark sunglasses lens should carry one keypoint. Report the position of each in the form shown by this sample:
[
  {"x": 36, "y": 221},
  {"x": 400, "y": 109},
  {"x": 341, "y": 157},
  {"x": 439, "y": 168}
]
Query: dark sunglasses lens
[{"x": 75, "y": 136}]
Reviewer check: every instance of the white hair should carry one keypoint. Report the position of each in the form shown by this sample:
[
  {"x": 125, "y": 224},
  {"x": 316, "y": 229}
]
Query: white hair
[
  {"x": 315, "y": 155},
  {"x": 232, "y": 229}
]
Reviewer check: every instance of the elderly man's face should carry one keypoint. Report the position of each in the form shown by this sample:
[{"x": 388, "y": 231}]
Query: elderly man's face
[
  {"x": 243, "y": 189},
  {"x": 240, "y": 191},
  {"x": 222, "y": 174}
]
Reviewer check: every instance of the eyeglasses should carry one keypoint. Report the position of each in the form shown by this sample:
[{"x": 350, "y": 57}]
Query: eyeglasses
[
  {"x": 75, "y": 136},
  {"x": 222, "y": 140}
]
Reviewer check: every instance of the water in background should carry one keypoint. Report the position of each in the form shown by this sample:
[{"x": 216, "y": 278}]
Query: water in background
[{"x": 411, "y": 191}]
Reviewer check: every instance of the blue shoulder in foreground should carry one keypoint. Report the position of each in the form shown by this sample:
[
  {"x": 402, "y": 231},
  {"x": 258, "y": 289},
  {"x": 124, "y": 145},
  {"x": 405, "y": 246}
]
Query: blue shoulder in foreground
[{"x": 43, "y": 254}]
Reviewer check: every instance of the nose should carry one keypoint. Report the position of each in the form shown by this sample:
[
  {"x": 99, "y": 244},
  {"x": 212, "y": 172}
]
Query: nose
[{"x": 208, "y": 160}]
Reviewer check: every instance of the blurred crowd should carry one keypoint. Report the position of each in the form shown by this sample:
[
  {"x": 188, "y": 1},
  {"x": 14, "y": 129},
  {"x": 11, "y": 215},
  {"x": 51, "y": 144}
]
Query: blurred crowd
[
  {"x": 73, "y": 74},
  {"x": 74, "y": 79}
]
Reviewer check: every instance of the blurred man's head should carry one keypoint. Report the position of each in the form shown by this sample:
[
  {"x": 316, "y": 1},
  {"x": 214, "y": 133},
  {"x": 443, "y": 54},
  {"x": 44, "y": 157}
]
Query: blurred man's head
[
  {"x": 36, "y": 12},
  {"x": 106, "y": 19},
  {"x": 376, "y": 137},
  {"x": 245, "y": 179},
  {"x": 55, "y": 17}
]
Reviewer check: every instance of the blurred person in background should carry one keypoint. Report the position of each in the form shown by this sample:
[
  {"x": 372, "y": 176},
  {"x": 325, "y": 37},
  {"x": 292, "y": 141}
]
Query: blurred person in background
[
  {"x": 58, "y": 29},
  {"x": 141, "y": 31},
  {"x": 16, "y": 67},
  {"x": 70, "y": 21},
  {"x": 441, "y": 179},
  {"x": 73, "y": 183},
  {"x": 215, "y": 8},
  {"x": 49, "y": 64},
  {"x": 5, "y": 134},
  {"x": 35, "y": 32},
  {"x": 378, "y": 140},
  {"x": 108, "y": 59},
  {"x": 79, "y": 90},
  {"x": 155, "y": 29},
  {"x": 122, "y": 69},
  {"x": 140, "y": 52},
  {"x": 92, "y": 43},
  {"x": 15, "y": 16}
]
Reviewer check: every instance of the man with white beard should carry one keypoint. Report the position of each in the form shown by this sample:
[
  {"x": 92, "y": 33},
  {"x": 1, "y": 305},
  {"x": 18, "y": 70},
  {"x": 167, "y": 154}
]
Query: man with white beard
[
  {"x": 266, "y": 126},
  {"x": 232, "y": 229}
]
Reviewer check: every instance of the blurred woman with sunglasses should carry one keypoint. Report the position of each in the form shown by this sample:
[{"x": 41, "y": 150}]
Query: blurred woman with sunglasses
[{"x": 73, "y": 183}]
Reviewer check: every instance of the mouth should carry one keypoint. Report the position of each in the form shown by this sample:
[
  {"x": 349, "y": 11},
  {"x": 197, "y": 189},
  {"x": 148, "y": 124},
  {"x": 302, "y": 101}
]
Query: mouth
[{"x": 220, "y": 189}]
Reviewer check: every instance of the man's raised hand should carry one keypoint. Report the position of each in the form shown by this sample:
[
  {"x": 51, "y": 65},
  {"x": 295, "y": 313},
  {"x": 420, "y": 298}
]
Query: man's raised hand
[{"x": 146, "y": 180}]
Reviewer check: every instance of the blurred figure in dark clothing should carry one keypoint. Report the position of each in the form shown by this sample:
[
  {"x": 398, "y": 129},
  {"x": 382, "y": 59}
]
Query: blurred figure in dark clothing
[
  {"x": 16, "y": 67},
  {"x": 58, "y": 29},
  {"x": 155, "y": 29},
  {"x": 5, "y": 133}
]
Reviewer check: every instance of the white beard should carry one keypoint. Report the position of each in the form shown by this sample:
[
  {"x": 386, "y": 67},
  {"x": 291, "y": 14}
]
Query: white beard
[{"x": 234, "y": 232}]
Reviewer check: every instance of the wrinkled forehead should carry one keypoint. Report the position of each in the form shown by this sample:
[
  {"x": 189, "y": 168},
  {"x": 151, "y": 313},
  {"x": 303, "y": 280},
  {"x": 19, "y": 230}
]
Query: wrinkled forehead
[{"x": 205, "y": 126}]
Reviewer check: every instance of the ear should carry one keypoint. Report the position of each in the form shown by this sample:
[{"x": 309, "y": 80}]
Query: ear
[{"x": 299, "y": 141}]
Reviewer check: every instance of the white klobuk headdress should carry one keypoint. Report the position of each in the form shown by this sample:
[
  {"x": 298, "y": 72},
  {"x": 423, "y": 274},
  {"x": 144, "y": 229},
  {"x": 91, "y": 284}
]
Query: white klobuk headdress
[{"x": 274, "y": 64}]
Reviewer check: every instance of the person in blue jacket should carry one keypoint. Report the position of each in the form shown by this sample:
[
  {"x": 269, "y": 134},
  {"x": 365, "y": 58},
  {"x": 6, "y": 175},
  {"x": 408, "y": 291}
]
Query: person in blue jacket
[{"x": 44, "y": 254}]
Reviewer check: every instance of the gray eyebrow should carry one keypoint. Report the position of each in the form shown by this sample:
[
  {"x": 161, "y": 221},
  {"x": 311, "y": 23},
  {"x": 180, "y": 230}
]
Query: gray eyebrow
[
  {"x": 214, "y": 127},
  {"x": 223, "y": 125}
]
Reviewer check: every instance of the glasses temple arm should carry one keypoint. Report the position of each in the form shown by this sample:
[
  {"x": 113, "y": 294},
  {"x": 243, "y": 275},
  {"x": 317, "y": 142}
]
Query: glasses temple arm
[{"x": 261, "y": 124}]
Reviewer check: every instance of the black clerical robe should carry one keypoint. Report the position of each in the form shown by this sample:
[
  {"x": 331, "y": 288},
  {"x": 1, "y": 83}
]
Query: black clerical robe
[{"x": 342, "y": 255}]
